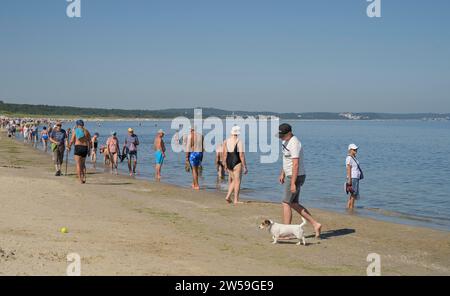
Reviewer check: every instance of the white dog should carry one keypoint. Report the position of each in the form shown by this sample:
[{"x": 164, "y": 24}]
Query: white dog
[{"x": 278, "y": 230}]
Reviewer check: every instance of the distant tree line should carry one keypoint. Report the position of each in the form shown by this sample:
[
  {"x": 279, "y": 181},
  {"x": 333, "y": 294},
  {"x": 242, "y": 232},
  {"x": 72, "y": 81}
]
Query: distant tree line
[{"x": 53, "y": 111}]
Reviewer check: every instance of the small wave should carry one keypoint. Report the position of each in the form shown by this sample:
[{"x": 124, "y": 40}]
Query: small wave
[{"x": 406, "y": 215}]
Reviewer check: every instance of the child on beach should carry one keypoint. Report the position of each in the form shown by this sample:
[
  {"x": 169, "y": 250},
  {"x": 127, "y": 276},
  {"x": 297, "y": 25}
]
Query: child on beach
[
  {"x": 94, "y": 145},
  {"x": 45, "y": 137}
]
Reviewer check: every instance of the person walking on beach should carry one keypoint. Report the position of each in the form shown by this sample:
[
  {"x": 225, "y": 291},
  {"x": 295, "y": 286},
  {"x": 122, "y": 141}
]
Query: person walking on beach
[
  {"x": 58, "y": 138},
  {"x": 160, "y": 153},
  {"x": 82, "y": 140},
  {"x": 35, "y": 135},
  {"x": 233, "y": 153},
  {"x": 25, "y": 132},
  {"x": 130, "y": 147},
  {"x": 354, "y": 175},
  {"x": 220, "y": 162},
  {"x": 194, "y": 155},
  {"x": 44, "y": 137},
  {"x": 94, "y": 145},
  {"x": 293, "y": 177},
  {"x": 113, "y": 147}
]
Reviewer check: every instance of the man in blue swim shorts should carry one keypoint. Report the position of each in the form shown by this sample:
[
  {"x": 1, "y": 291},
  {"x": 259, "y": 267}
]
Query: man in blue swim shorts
[
  {"x": 160, "y": 153},
  {"x": 194, "y": 155}
]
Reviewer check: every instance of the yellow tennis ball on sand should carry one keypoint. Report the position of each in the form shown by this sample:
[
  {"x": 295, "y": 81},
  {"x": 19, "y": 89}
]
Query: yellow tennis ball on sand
[{"x": 64, "y": 230}]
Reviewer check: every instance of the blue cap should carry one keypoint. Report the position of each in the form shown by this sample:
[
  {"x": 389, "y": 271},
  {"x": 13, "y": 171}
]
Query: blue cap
[{"x": 80, "y": 122}]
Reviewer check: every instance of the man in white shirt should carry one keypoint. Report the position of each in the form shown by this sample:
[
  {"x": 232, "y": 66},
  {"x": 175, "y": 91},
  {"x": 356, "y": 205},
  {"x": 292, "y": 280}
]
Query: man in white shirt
[{"x": 293, "y": 176}]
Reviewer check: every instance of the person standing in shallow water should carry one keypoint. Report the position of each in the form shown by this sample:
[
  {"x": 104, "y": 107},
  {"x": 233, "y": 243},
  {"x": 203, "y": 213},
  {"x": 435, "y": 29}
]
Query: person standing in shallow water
[
  {"x": 130, "y": 147},
  {"x": 219, "y": 162},
  {"x": 293, "y": 177},
  {"x": 94, "y": 145},
  {"x": 160, "y": 153},
  {"x": 354, "y": 175},
  {"x": 234, "y": 156},
  {"x": 44, "y": 137},
  {"x": 194, "y": 155},
  {"x": 112, "y": 145}
]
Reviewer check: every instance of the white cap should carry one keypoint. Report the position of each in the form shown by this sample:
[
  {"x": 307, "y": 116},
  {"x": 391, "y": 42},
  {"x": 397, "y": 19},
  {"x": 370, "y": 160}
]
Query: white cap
[
  {"x": 352, "y": 147},
  {"x": 236, "y": 130},
  {"x": 160, "y": 131}
]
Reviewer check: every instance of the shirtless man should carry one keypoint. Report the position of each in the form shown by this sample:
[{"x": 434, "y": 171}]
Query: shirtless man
[
  {"x": 194, "y": 155},
  {"x": 160, "y": 153}
]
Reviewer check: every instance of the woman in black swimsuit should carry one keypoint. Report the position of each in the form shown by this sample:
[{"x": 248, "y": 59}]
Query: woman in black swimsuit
[
  {"x": 94, "y": 145},
  {"x": 233, "y": 154}
]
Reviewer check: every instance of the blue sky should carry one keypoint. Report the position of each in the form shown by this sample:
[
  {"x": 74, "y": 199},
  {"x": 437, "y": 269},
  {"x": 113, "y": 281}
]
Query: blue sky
[{"x": 284, "y": 55}]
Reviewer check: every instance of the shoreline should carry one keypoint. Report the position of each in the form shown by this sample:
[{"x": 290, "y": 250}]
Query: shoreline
[
  {"x": 379, "y": 214},
  {"x": 126, "y": 226}
]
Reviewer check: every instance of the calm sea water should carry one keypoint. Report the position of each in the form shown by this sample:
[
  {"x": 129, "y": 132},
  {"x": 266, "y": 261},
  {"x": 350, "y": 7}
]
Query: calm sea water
[{"x": 406, "y": 166}]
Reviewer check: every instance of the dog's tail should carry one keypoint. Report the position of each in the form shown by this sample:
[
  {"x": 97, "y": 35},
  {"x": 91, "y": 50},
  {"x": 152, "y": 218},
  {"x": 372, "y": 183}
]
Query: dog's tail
[{"x": 303, "y": 222}]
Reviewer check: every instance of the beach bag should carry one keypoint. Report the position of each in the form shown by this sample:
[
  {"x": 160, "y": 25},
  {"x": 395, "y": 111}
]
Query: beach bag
[
  {"x": 348, "y": 188},
  {"x": 79, "y": 133},
  {"x": 54, "y": 147}
]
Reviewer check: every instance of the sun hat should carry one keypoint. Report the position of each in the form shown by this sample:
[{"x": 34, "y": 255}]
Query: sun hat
[
  {"x": 235, "y": 130},
  {"x": 352, "y": 147},
  {"x": 130, "y": 130},
  {"x": 161, "y": 131}
]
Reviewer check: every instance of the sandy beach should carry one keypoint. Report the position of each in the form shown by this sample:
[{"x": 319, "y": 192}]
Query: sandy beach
[{"x": 125, "y": 226}]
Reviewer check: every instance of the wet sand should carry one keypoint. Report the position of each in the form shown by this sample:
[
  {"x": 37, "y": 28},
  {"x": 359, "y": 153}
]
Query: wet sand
[{"x": 124, "y": 226}]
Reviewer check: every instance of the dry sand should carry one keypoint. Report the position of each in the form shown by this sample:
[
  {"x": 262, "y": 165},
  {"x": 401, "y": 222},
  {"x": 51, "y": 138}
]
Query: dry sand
[{"x": 124, "y": 226}]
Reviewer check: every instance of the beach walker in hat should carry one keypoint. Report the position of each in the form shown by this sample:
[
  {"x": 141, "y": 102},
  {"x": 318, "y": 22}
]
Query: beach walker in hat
[
  {"x": 130, "y": 150},
  {"x": 235, "y": 162},
  {"x": 354, "y": 175},
  {"x": 293, "y": 177},
  {"x": 160, "y": 153}
]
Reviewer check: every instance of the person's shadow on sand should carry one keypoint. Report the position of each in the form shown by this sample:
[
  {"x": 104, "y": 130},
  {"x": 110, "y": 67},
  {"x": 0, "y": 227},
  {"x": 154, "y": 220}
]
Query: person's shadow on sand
[
  {"x": 332, "y": 233},
  {"x": 323, "y": 235}
]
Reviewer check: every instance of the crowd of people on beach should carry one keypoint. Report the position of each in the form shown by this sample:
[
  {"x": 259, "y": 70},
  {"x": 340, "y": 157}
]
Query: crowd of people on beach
[{"x": 229, "y": 160}]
